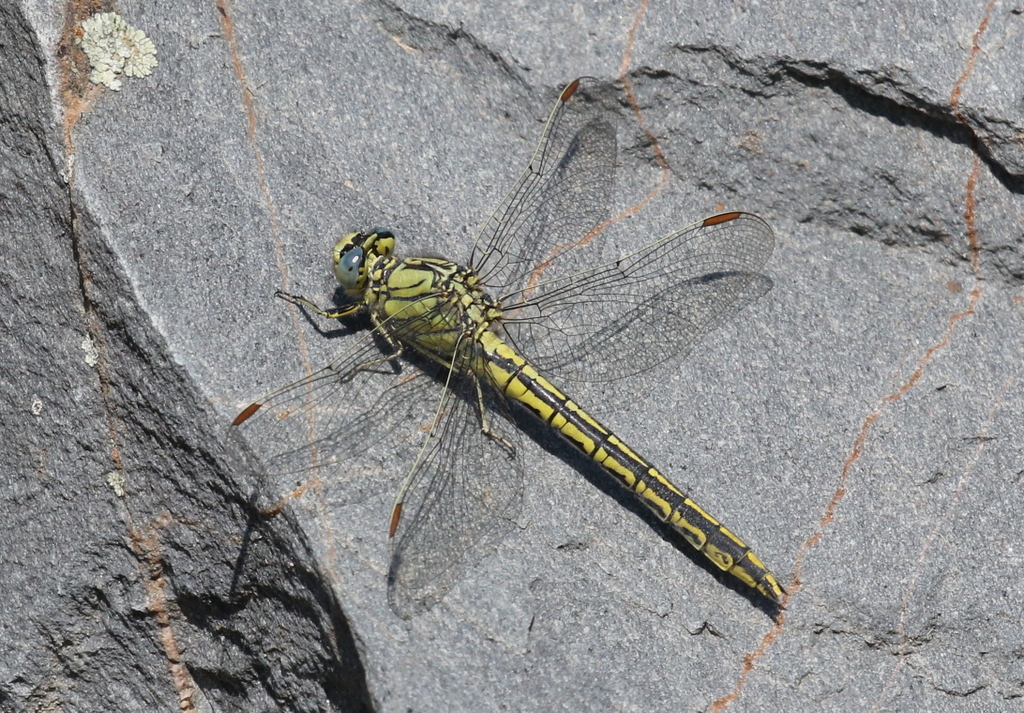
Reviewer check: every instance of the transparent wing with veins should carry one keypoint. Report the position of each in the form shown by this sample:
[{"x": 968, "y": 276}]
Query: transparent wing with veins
[
  {"x": 460, "y": 499},
  {"x": 361, "y": 422},
  {"x": 580, "y": 313},
  {"x": 622, "y": 318},
  {"x": 563, "y": 194},
  {"x": 346, "y": 424}
]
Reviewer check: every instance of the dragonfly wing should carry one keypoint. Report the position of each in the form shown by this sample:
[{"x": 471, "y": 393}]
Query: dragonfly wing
[
  {"x": 458, "y": 502},
  {"x": 624, "y": 317},
  {"x": 562, "y": 195},
  {"x": 343, "y": 426}
]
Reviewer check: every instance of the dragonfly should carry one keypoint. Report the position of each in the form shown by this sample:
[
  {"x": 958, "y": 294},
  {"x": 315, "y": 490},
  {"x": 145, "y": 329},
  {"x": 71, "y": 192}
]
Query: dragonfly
[{"x": 444, "y": 359}]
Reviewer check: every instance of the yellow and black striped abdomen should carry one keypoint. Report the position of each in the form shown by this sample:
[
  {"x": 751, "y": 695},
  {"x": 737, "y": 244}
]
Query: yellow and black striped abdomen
[{"x": 519, "y": 381}]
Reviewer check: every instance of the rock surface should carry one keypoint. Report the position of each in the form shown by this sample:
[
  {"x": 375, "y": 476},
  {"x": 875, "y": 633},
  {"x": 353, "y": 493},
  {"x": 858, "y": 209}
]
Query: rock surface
[{"x": 860, "y": 426}]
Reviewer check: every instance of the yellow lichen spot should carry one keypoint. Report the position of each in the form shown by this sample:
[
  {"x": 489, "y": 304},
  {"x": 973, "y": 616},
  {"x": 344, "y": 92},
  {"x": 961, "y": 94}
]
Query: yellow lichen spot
[{"x": 114, "y": 48}]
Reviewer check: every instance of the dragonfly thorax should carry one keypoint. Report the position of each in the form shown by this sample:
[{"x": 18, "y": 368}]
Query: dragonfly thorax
[
  {"x": 433, "y": 305},
  {"x": 434, "y": 288}
]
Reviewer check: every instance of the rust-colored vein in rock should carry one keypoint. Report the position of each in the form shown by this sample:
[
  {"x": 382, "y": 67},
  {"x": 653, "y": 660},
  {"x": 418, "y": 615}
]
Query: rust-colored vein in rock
[{"x": 750, "y": 660}]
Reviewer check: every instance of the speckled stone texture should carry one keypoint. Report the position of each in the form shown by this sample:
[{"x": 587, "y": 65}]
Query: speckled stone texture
[{"x": 859, "y": 426}]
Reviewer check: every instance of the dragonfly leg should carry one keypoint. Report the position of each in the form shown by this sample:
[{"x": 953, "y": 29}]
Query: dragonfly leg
[
  {"x": 372, "y": 364},
  {"x": 396, "y": 351},
  {"x": 327, "y": 313},
  {"x": 485, "y": 423}
]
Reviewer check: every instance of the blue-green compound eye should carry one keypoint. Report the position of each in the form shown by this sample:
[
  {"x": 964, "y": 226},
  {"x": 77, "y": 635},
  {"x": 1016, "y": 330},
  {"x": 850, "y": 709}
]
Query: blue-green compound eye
[{"x": 348, "y": 268}]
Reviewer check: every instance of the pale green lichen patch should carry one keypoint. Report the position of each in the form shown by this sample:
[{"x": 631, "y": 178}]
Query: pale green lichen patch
[
  {"x": 116, "y": 481},
  {"x": 114, "y": 48},
  {"x": 92, "y": 354}
]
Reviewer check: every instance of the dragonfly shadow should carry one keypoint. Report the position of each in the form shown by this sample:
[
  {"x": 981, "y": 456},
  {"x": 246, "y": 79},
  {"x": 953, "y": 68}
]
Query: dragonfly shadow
[
  {"x": 276, "y": 569},
  {"x": 600, "y": 479}
]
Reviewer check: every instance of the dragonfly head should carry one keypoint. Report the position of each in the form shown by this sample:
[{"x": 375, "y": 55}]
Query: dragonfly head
[{"x": 354, "y": 252}]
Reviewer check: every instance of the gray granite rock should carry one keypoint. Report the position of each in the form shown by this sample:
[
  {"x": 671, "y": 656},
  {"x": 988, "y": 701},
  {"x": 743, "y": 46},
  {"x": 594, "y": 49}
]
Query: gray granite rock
[{"x": 859, "y": 426}]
